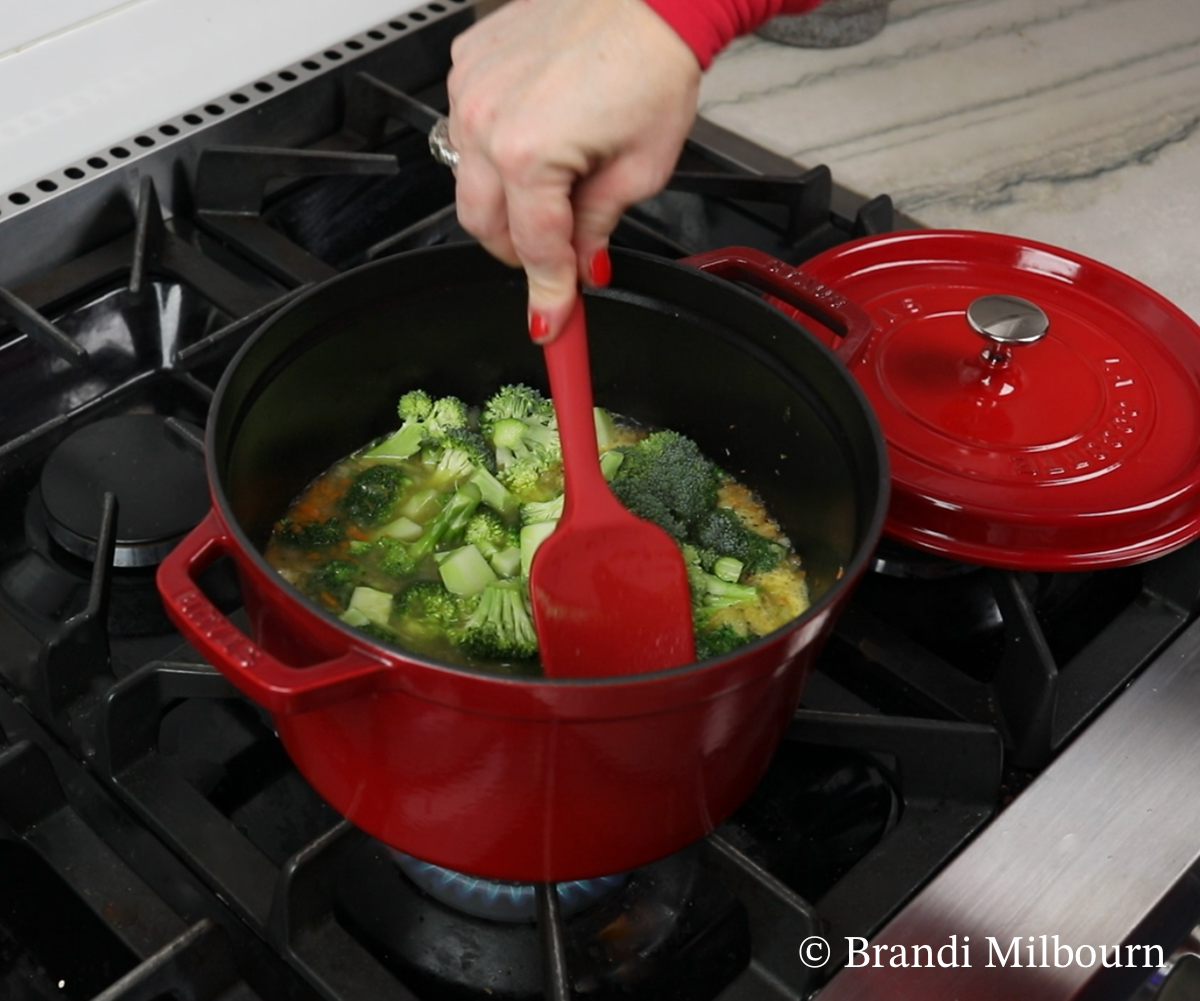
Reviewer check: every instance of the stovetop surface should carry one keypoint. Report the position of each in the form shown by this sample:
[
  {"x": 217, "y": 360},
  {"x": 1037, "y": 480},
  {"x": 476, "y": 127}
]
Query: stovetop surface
[{"x": 149, "y": 814}]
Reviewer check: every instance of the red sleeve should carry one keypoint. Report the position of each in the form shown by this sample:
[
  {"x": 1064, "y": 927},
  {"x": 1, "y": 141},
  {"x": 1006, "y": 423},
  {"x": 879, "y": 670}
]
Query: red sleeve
[{"x": 707, "y": 26}]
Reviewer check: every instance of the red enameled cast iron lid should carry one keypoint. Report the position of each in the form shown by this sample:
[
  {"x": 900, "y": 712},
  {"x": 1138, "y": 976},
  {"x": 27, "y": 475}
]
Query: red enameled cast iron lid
[{"x": 1074, "y": 448}]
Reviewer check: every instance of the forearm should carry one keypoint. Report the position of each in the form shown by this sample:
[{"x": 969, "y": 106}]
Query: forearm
[{"x": 707, "y": 26}]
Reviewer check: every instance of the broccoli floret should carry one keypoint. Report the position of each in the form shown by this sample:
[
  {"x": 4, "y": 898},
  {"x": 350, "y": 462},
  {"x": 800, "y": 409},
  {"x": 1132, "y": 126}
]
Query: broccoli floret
[
  {"x": 515, "y": 400},
  {"x": 438, "y": 416},
  {"x": 311, "y": 535},
  {"x": 414, "y": 406},
  {"x": 337, "y": 578},
  {"x": 710, "y": 592},
  {"x": 456, "y": 456},
  {"x": 426, "y": 609},
  {"x": 472, "y": 444},
  {"x": 425, "y": 419},
  {"x": 722, "y": 531},
  {"x": 501, "y": 627},
  {"x": 447, "y": 414},
  {"x": 535, "y": 512},
  {"x": 717, "y": 640},
  {"x": 489, "y": 533},
  {"x": 446, "y": 527},
  {"x": 399, "y": 559},
  {"x": 531, "y": 478},
  {"x": 667, "y": 480},
  {"x": 521, "y": 425},
  {"x": 451, "y": 466},
  {"x": 373, "y": 494},
  {"x": 393, "y": 558}
]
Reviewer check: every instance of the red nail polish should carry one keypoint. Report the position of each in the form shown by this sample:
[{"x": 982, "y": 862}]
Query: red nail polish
[
  {"x": 539, "y": 328},
  {"x": 601, "y": 267}
]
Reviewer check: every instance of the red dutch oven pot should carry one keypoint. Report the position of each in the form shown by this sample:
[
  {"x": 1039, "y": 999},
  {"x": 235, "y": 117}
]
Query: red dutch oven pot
[{"x": 532, "y": 780}]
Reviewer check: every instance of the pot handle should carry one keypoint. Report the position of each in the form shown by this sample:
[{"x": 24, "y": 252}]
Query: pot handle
[
  {"x": 282, "y": 689},
  {"x": 796, "y": 289}
]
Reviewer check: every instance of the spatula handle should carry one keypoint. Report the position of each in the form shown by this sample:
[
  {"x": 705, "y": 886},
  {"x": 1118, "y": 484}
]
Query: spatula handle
[{"x": 571, "y": 388}]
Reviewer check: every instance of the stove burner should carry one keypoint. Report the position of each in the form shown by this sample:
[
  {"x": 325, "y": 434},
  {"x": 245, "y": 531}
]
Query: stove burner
[
  {"x": 154, "y": 466},
  {"x": 499, "y": 900},
  {"x": 673, "y": 930}
]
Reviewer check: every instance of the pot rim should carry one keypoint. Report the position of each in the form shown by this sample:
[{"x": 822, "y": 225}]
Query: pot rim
[{"x": 356, "y": 638}]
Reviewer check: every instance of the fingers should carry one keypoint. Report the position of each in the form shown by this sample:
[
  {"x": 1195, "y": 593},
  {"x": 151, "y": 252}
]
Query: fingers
[
  {"x": 564, "y": 112},
  {"x": 598, "y": 202},
  {"x": 541, "y": 224},
  {"x": 482, "y": 206}
]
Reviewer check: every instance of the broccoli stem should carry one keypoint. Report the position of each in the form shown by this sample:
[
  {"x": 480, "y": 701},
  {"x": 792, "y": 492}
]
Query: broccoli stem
[
  {"x": 466, "y": 572},
  {"x": 448, "y": 522},
  {"x": 717, "y": 593},
  {"x": 606, "y": 428},
  {"x": 728, "y": 569},
  {"x": 400, "y": 445},
  {"x": 610, "y": 462},
  {"x": 494, "y": 493}
]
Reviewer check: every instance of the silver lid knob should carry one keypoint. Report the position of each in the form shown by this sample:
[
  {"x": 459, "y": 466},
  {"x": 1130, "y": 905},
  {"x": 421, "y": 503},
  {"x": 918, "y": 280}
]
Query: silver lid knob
[{"x": 1006, "y": 320}]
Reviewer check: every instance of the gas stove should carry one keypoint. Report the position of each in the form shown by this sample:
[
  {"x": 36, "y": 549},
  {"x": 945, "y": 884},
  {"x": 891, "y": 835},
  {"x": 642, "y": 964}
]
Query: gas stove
[{"x": 156, "y": 841}]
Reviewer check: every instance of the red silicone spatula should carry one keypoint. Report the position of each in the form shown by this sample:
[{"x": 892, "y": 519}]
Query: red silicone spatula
[{"x": 609, "y": 590}]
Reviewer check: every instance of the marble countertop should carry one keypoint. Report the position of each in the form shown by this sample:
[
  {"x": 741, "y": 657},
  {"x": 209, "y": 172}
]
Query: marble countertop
[{"x": 1073, "y": 122}]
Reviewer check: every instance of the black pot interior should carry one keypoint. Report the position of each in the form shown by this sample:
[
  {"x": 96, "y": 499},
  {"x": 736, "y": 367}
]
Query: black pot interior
[{"x": 670, "y": 347}]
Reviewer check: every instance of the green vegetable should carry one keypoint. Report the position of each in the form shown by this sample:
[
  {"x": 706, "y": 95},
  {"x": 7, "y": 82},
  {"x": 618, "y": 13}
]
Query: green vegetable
[
  {"x": 374, "y": 494},
  {"x": 375, "y": 605},
  {"x": 393, "y": 557},
  {"x": 521, "y": 425},
  {"x": 353, "y": 617},
  {"x": 423, "y": 504},
  {"x": 534, "y": 512},
  {"x": 456, "y": 508},
  {"x": 404, "y": 529},
  {"x": 455, "y": 457},
  {"x": 338, "y": 578},
  {"x": 495, "y": 494},
  {"x": 447, "y": 525},
  {"x": 667, "y": 480},
  {"x": 606, "y": 428},
  {"x": 718, "y": 640},
  {"x": 532, "y": 536},
  {"x": 507, "y": 562},
  {"x": 709, "y": 591},
  {"x": 447, "y": 414},
  {"x": 425, "y": 419},
  {"x": 425, "y": 610},
  {"x": 501, "y": 628},
  {"x": 490, "y": 533},
  {"x": 465, "y": 571},
  {"x": 610, "y": 462},
  {"x": 313, "y": 535},
  {"x": 722, "y": 531},
  {"x": 728, "y": 568}
]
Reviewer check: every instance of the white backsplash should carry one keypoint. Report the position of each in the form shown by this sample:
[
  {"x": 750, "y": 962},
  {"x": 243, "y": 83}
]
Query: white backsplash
[{"x": 78, "y": 75}]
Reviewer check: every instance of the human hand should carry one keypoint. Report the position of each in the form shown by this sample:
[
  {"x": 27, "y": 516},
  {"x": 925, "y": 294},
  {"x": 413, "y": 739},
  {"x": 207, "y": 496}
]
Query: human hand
[{"x": 564, "y": 113}]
